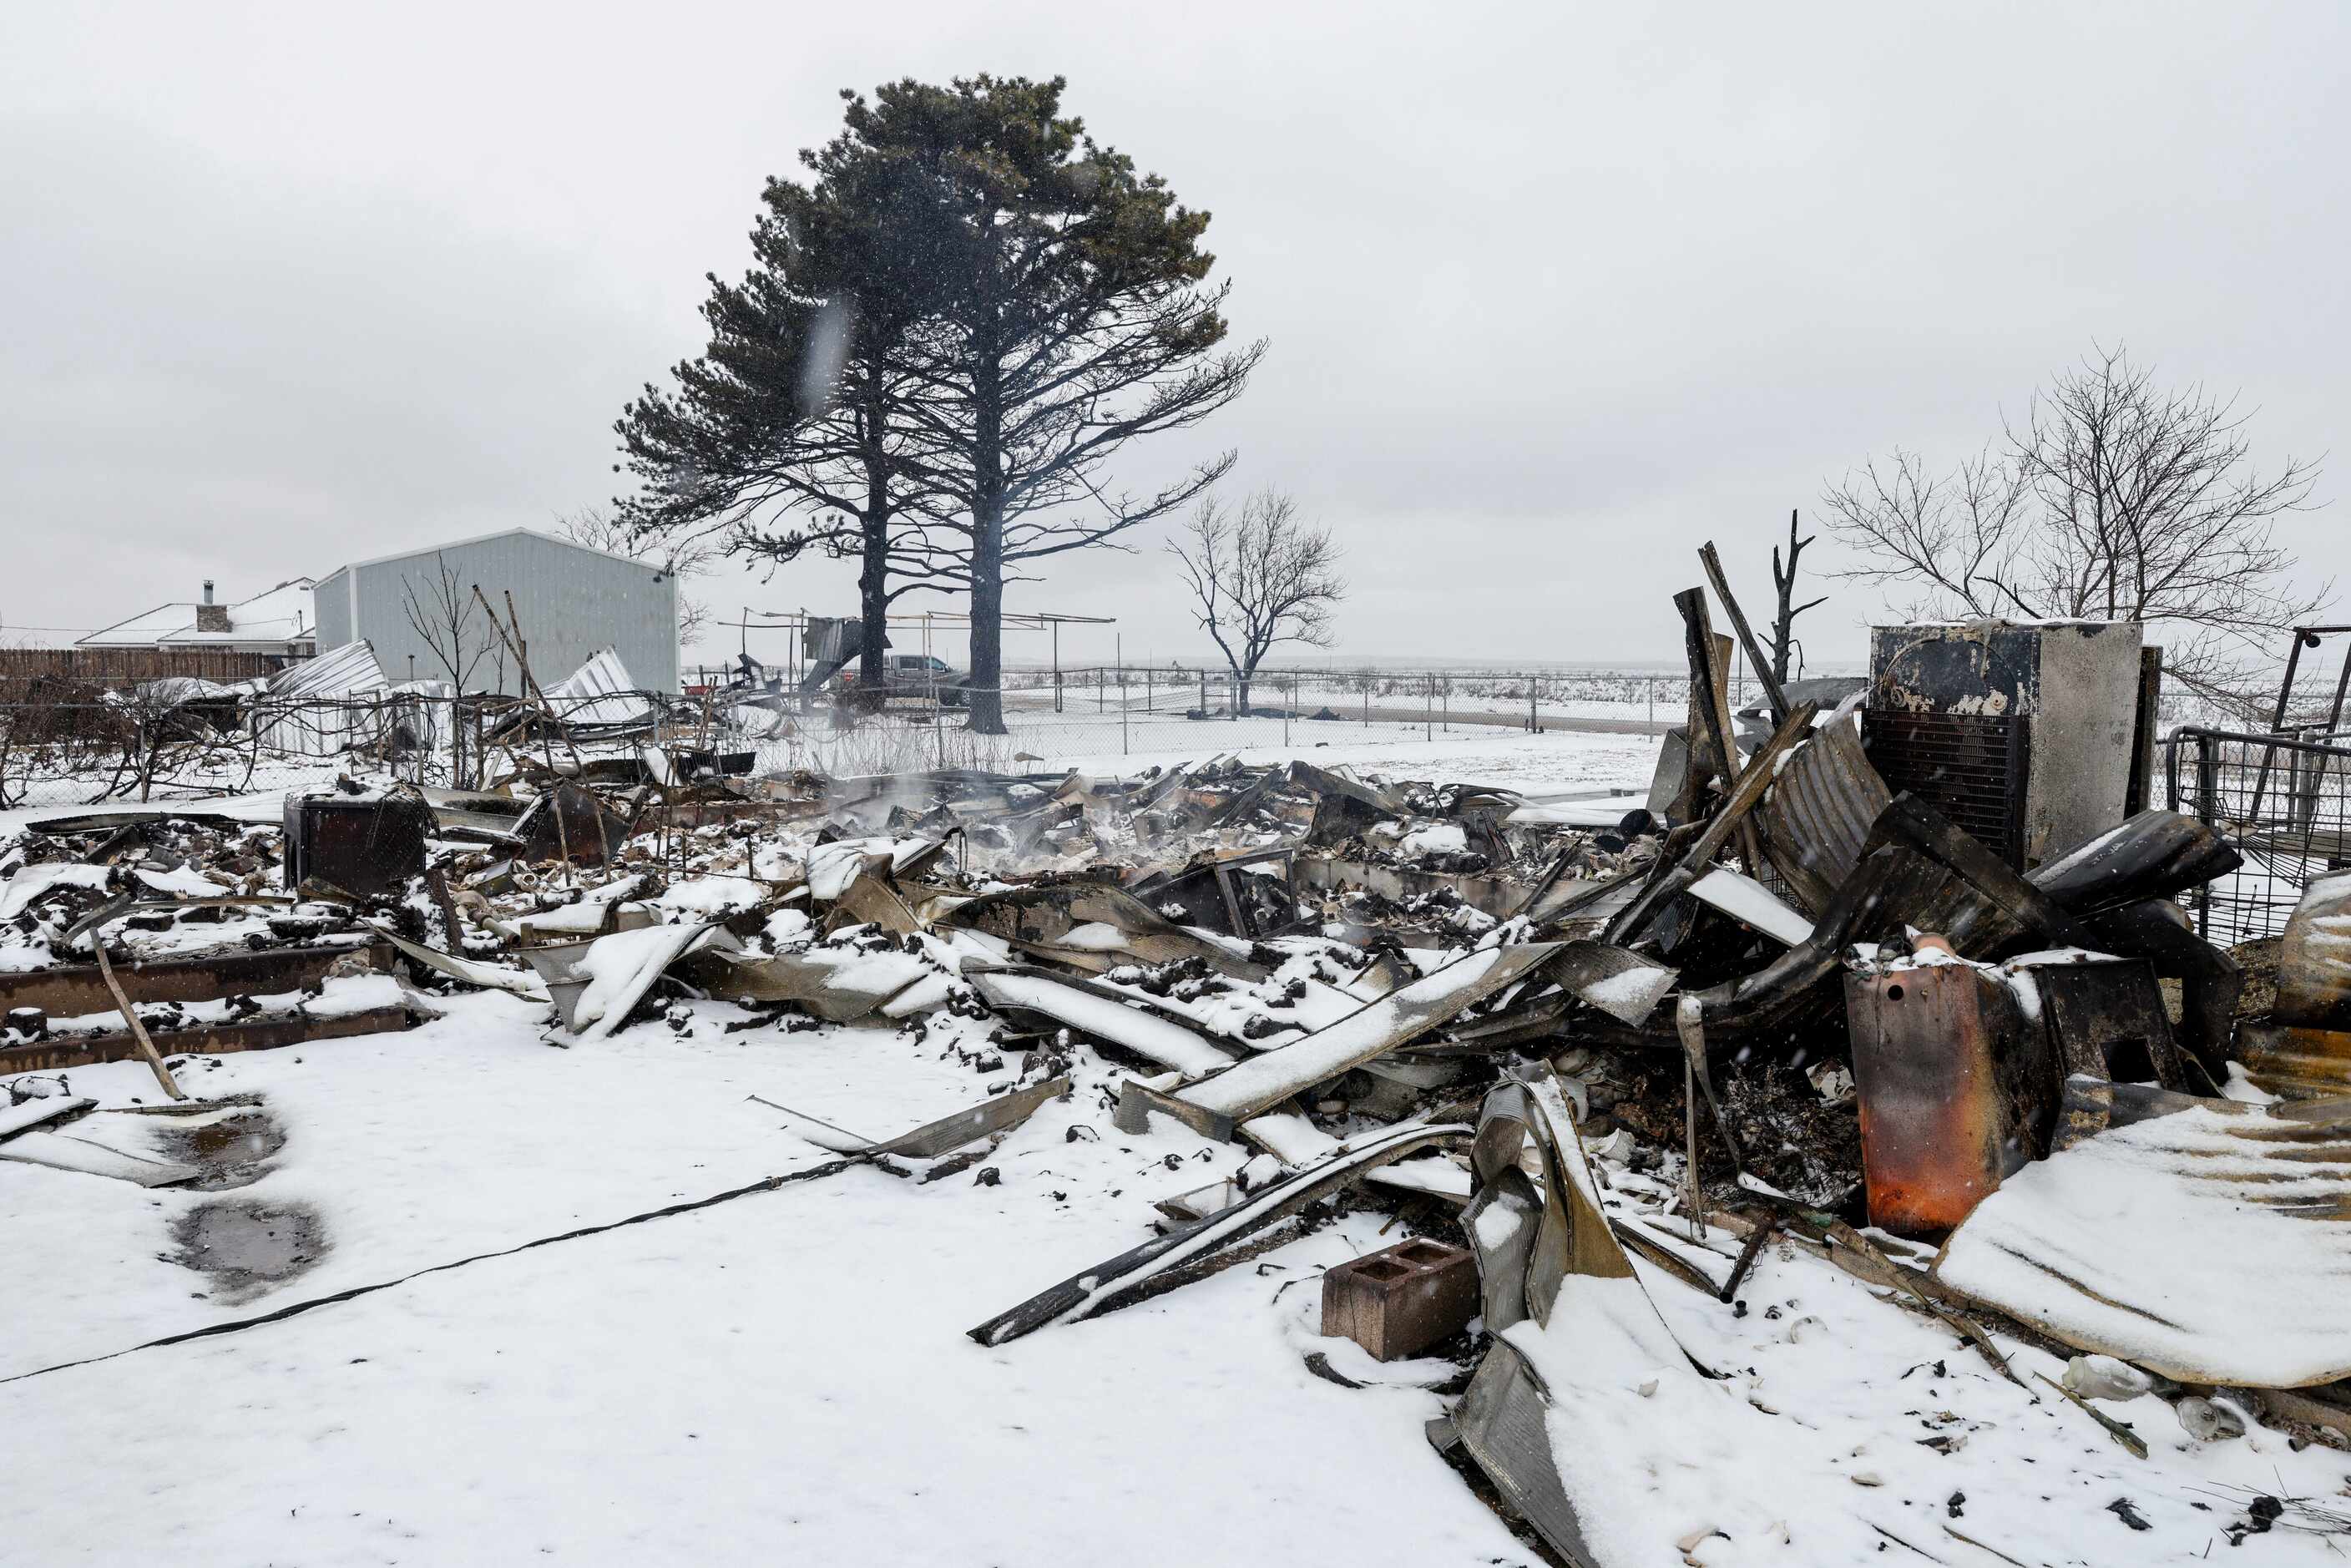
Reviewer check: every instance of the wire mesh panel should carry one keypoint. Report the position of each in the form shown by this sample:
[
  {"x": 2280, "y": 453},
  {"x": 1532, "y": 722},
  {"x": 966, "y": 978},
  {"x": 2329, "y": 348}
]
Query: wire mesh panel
[{"x": 2284, "y": 803}]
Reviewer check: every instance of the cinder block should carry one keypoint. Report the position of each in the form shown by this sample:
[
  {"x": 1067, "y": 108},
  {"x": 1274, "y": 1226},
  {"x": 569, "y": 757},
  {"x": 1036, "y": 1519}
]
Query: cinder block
[{"x": 1399, "y": 1301}]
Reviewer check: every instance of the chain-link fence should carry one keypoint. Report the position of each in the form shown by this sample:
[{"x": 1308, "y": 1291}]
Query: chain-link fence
[
  {"x": 67, "y": 743},
  {"x": 168, "y": 741},
  {"x": 72, "y": 745},
  {"x": 2283, "y": 802}
]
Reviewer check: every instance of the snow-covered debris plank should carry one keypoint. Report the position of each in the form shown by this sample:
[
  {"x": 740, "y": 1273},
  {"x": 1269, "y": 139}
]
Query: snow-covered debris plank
[
  {"x": 1082, "y": 1294},
  {"x": 1262, "y": 1082},
  {"x": 998, "y": 1114},
  {"x": 1295, "y": 1141},
  {"x": 1104, "y": 1014},
  {"x": 594, "y": 985},
  {"x": 1743, "y": 898},
  {"x": 24, "y": 1118}
]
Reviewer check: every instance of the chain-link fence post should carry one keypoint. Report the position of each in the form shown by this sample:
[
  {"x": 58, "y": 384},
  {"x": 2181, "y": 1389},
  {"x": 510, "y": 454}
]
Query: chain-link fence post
[
  {"x": 1122, "y": 711},
  {"x": 1427, "y": 713},
  {"x": 1288, "y": 703}
]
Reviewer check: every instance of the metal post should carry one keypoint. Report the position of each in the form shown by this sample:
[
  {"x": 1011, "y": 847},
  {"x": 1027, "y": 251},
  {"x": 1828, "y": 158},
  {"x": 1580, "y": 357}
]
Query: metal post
[
  {"x": 1204, "y": 691},
  {"x": 1534, "y": 725},
  {"x": 1288, "y": 703},
  {"x": 1448, "y": 704},
  {"x": 1057, "y": 667},
  {"x": 1122, "y": 697},
  {"x": 1146, "y": 688},
  {"x": 1652, "y": 684},
  {"x": 1428, "y": 718},
  {"x": 1367, "y": 699}
]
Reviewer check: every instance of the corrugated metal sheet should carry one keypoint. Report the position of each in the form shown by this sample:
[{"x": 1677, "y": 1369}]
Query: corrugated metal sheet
[
  {"x": 1819, "y": 811},
  {"x": 2204, "y": 1240},
  {"x": 597, "y": 693},
  {"x": 572, "y": 601},
  {"x": 351, "y": 670},
  {"x": 306, "y": 708}
]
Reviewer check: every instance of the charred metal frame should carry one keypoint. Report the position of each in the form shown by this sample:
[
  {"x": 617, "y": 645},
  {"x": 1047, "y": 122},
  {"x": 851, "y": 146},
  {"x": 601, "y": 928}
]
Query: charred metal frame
[{"x": 2290, "y": 830}]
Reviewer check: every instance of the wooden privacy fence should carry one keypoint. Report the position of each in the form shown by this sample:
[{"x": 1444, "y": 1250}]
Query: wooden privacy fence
[{"x": 137, "y": 663}]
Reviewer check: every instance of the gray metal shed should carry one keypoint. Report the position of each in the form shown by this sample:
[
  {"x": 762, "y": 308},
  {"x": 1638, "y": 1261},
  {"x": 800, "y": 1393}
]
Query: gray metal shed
[{"x": 572, "y": 601}]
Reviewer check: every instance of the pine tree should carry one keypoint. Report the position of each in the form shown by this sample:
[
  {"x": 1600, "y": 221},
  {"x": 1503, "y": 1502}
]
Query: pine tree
[{"x": 1067, "y": 315}]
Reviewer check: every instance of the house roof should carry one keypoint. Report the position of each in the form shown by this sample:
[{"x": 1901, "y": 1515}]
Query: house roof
[
  {"x": 484, "y": 539},
  {"x": 281, "y": 615},
  {"x": 147, "y": 627}
]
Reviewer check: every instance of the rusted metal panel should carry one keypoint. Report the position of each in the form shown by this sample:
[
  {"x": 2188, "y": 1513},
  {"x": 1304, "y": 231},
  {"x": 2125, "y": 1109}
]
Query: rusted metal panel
[
  {"x": 2296, "y": 1064},
  {"x": 74, "y": 989},
  {"x": 223, "y": 1039},
  {"x": 2314, "y": 976},
  {"x": 1950, "y": 1091}
]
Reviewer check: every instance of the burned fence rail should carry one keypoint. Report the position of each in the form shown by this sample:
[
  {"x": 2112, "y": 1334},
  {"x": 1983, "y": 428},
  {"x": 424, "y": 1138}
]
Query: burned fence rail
[{"x": 2282, "y": 801}]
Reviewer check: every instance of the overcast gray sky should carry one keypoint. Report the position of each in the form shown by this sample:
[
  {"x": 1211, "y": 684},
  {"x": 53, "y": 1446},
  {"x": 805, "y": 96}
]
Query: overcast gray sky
[{"x": 1554, "y": 291}]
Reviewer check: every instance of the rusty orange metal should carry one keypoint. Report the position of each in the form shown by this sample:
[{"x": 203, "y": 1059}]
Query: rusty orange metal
[{"x": 1935, "y": 1131}]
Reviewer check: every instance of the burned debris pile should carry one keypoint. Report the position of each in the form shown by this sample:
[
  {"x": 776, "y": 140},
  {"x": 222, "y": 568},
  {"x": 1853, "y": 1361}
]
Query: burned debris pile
[{"x": 1583, "y": 1051}]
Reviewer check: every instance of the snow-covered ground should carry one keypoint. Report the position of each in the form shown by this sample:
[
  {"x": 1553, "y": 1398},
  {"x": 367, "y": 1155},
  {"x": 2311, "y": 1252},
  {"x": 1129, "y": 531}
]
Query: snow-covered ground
[
  {"x": 1555, "y": 761},
  {"x": 784, "y": 1376}
]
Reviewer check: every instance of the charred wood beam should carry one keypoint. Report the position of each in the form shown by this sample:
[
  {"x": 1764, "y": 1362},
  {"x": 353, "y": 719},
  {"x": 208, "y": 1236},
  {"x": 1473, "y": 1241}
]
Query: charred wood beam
[
  {"x": 220, "y": 1040},
  {"x": 1679, "y": 873},
  {"x": 1774, "y": 691},
  {"x": 72, "y": 990}
]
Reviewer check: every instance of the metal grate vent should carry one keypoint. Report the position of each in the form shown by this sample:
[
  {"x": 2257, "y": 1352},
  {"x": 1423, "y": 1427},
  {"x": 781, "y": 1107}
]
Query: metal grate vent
[{"x": 1969, "y": 767}]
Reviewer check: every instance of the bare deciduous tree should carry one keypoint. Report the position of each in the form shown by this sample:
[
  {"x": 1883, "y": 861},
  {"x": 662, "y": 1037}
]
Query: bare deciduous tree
[
  {"x": 684, "y": 554},
  {"x": 2114, "y": 499},
  {"x": 1260, "y": 577},
  {"x": 440, "y": 610}
]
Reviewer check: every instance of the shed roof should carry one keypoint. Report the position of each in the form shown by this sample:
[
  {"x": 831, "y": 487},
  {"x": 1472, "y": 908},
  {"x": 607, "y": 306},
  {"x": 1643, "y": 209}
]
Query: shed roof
[{"x": 484, "y": 539}]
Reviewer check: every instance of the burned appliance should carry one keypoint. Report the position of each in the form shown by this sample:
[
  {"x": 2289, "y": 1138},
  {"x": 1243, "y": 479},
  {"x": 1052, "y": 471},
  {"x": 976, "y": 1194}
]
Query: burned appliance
[
  {"x": 361, "y": 844},
  {"x": 2022, "y": 735}
]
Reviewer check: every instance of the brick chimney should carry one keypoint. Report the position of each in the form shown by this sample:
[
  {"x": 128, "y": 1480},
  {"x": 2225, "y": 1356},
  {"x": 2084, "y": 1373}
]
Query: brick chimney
[{"x": 211, "y": 617}]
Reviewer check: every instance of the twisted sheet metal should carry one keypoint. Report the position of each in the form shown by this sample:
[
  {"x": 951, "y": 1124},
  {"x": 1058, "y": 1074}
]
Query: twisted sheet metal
[{"x": 1819, "y": 811}]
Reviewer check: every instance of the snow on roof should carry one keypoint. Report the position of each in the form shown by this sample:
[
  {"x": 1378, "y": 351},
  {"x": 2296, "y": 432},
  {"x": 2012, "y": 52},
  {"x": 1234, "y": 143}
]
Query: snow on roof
[
  {"x": 281, "y": 615},
  {"x": 142, "y": 628},
  {"x": 484, "y": 539}
]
